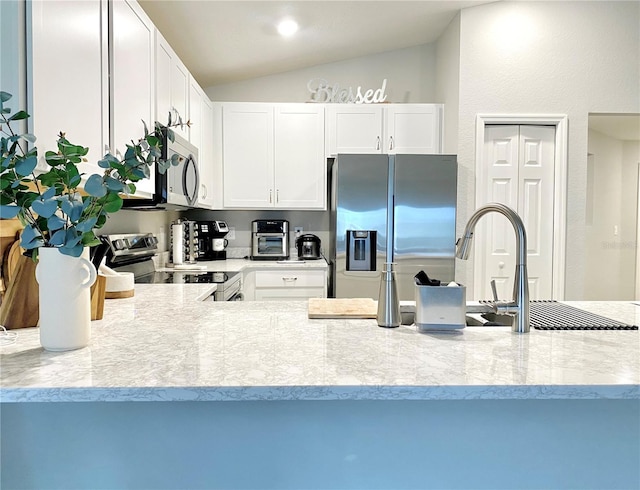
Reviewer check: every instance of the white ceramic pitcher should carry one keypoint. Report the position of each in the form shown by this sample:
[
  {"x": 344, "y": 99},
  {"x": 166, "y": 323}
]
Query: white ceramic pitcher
[{"x": 65, "y": 299}]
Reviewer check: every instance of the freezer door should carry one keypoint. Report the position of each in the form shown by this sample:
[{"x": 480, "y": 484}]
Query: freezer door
[
  {"x": 425, "y": 219},
  {"x": 359, "y": 196}
]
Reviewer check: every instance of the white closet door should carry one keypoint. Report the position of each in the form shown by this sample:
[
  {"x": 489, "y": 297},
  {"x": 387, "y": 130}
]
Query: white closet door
[{"x": 518, "y": 171}]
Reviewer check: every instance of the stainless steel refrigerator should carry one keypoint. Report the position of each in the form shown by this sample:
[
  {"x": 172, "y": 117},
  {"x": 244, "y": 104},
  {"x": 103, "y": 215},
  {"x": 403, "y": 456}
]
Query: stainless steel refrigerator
[{"x": 397, "y": 208}]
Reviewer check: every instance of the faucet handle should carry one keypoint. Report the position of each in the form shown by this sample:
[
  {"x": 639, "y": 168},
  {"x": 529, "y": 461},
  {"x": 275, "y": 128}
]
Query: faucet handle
[{"x": 494, "y": 290}]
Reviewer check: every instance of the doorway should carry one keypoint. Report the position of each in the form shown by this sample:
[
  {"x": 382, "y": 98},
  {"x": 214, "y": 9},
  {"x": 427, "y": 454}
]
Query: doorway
[{"x": 521, "y": 161}]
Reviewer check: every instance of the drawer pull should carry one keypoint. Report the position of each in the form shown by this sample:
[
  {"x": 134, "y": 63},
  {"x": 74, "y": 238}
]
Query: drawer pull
[{"x": 289, "y": 279}]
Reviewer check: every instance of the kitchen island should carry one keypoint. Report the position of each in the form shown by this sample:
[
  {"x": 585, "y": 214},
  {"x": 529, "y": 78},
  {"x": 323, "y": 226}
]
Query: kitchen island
[{"x": 181, "y": 393}]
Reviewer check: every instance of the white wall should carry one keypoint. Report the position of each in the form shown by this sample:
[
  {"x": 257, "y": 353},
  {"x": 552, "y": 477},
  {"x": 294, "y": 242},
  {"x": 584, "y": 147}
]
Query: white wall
[
  {"x": 603, "y": 258},
  {"x": 547, "y": 57},
  {"x": 448, "y": 82},
  {"x": 410, "y": 75},
  {"x": 629, "y": 217}
]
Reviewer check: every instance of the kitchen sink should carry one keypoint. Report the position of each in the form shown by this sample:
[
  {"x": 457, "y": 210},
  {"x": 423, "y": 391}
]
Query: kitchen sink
[{"x": 489, "y": 319}]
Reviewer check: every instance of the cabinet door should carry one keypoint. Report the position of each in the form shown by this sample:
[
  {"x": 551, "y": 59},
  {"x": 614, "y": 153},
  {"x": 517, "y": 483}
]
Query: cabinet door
[
  {"x": 248, "y": 155},
  {"x": 300, "y": 166},
  {"x": 132, "y": 87},
  {"x": 353, "y": 128},
  {"x": 413, "y": 128},
  {"x": 68, "y": 96},
  {"x": 206, "y": 159},
  {"x": 172, "y": 85}
]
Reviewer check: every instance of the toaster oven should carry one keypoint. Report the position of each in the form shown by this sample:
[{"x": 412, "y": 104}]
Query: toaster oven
[{"x": 269, "y": 240}]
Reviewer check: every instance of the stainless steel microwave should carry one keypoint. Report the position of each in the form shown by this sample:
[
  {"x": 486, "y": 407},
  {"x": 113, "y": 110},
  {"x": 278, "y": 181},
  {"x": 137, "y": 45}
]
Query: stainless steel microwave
[
  {"x": 269, "y": 240},
  {"x": 177, "y": 188}
]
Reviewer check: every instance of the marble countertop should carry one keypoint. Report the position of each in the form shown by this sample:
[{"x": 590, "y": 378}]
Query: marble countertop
[{"x": 165, "y": 345}]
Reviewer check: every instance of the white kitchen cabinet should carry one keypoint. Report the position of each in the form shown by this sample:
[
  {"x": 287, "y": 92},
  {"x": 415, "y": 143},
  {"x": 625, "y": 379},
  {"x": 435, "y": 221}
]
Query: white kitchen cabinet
[
  {"x": 273, "y": 156},
  {"x": 248, "y": 156},
  {"x": 201, "y": 136},
  {"x": 172, "y": 85},
  {"x": 69, "y": 97},
  {"x": 132, "y": 79},
  {"x": 354, "y": 128},
  {"x": 384, "y": 128},
  {"x": 206, "y": 197},
  {"x": 285, "y": 284},
  {"x": 413, "y": 128}
]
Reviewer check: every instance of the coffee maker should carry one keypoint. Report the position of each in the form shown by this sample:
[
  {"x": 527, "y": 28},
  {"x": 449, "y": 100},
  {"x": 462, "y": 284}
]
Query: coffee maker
[{"x": 212, "y": 243}]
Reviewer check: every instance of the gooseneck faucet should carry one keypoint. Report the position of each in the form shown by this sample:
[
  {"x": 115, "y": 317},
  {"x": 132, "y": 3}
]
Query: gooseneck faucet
[{"x": 519, "y": 306}]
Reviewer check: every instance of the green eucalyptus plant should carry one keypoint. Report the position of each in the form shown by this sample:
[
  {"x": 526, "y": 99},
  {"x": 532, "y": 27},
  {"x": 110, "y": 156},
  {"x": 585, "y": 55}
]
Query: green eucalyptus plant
[{"x": 50, "y": 206}]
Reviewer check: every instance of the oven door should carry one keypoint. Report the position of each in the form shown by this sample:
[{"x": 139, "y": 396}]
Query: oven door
[{"x": 269, "y": 245}]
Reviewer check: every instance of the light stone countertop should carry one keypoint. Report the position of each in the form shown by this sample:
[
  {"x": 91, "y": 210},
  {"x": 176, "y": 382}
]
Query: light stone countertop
[{"x": 165, "y": 345}]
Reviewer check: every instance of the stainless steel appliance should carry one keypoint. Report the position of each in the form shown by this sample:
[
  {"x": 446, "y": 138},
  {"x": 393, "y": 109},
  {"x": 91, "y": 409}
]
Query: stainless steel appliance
[
  {"x": 308, "y": 247},
  {"x": 134, "y": 253},
  {"x": 177, "y": 188},
  {"x": 269, "y": 240},
  {"x": 211, "y": 242},
  {"x": 391, "y": 208}
]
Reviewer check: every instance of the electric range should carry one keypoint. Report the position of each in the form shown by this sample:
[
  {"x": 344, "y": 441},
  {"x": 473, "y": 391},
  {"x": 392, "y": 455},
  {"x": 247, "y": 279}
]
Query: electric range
[{"x": 132, "y": 252}]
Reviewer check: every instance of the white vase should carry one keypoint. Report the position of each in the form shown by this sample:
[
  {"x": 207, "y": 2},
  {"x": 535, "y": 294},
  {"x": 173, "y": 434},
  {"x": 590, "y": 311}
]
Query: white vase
[{"x": 65, "y": 299}]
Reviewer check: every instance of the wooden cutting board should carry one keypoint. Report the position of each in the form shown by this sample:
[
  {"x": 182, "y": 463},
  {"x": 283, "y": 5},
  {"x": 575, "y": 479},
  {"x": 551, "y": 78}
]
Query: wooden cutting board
[{"x": 342, "y": 308}]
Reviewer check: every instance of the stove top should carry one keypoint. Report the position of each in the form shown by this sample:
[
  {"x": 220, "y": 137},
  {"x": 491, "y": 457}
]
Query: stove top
[{"x": 187, "y": 277}]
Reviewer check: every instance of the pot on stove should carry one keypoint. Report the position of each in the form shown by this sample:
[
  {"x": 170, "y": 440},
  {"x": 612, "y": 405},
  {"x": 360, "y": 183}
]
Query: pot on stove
[{"x": 308, "y": 247}]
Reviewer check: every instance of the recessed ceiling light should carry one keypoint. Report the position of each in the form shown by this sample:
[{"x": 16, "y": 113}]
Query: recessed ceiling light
[{"x": 287, "y": 27}]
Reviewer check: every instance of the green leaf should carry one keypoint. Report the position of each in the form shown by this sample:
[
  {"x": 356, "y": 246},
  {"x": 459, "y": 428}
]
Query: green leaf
[
  {"x": 175, "y": 159},
  {"x": 46, "y": 209},
  {"x": 55, "y": 222},
  {"x": 114, "y": 184},
  {"x": 87, "y": 225},
  {"x": 113, "y": 204},
  {"x": 95, "y": 187},
  {"x": 49, "y": 193},
  {"x": 72, "y": 208},
  {"x": 18, "y": 116},
  {"x": 5, "y": 96},
  {"x": 29, "y": 137},
  {"x": 31, "y": 238},
  {"x": 89, "y": 239},
  {"x": 26, "y": 166},
  {"x": 9, "y": 211},
  {"x": 58, "y": 238},
  {"x": 72, "y": 250},
  {"x": 72, "y": 238}
]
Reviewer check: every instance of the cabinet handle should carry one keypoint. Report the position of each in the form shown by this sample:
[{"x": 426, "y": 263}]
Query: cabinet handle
[
  {"x": 277, "y": 195},
  {"x": 377, "y": 142},
  {"x": 289, "y": 279},
  {"x": 391, "y": 142},
  {"x": 270, "y": 196},
  {"x": 204, "y": 191}
]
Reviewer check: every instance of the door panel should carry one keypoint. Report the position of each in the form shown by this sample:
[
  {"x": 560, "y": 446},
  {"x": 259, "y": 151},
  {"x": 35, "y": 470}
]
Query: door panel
[{"x": 518, "y": 172}]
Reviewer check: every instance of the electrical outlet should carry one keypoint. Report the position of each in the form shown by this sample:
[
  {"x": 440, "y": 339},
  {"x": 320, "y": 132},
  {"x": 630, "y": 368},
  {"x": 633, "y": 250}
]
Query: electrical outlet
[{"x": 232, "y": 233}]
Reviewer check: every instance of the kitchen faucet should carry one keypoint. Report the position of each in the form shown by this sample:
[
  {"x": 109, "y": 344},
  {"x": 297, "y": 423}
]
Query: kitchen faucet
[{"x": 519, "y": 306}]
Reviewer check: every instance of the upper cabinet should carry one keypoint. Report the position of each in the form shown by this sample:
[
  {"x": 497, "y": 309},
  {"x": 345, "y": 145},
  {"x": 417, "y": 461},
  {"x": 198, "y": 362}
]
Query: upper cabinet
[
  {"x": 68, "y": 97},
  {"x": 201, "y": 136},
  {"x": 354, "y": 128},
  {"x": 273, "y": 156},
  {"x": 132, "y": 82},
  {"x": 172, "y": 86},
  {"x": 385, "y": 128}
]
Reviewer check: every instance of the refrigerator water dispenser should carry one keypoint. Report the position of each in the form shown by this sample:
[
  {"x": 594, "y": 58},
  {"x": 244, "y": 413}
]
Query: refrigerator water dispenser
[{"x": 361, "y": 250}]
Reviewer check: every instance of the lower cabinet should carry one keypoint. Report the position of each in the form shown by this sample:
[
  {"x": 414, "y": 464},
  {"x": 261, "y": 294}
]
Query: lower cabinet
[{"x": 285, "y": 285}]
